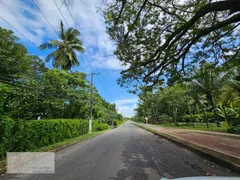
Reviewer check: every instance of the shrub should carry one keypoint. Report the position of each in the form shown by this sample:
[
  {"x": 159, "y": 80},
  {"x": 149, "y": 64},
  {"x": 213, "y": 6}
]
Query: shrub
[
  {"x": 234, "y": 129},
  {"x": 35, "y": 134},
  {"x": 95, "y": 125},
  {"x": 102, "y": 126},
  {"x": 117, "y": 122},
  {"x": 29, "y": 135},
  {"x": 194, "y": 118},
  {"x": 164, "y": 118},
  {"x": 235, "y": 121},
  {"x": 6, "y": 125}
]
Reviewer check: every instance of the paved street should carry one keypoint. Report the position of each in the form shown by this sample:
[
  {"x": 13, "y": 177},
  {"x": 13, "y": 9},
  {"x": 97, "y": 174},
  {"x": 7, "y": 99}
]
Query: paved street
[{"x": 127, "y": 152}]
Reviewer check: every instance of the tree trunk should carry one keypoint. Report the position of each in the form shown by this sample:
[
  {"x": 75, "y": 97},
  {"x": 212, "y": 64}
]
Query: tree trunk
[
  {"x": 190, "y": 111},
  {"x": 175, "y": 116},
  {"x": 156, "y": 114},
  {"x": 213, "y": 104},
  {"x": 148, "y": 118},
  {"x": 174, "y": 119},
  {"x": 206, "y": 119}
]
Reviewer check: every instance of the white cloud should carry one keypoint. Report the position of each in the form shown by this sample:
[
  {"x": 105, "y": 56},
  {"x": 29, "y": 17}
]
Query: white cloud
[
  {"x": 25, "y": 17},
  {"x": 126, "y": 106}
]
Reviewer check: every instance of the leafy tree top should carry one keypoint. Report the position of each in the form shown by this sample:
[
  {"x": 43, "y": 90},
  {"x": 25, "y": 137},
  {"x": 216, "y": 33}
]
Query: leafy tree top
[
  {"x": 162, "y": 39},
  {"x": 64, "y": 56}
]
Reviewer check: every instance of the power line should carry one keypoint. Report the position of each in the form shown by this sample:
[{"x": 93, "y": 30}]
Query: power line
[
  {"x": 23, "y": 35},
  {"x": 84, "y": 43},
  {"x": 17, "y": 30},
  {"x": 79, "y": 31},
  {"x": 62, "y": 4},
  {"x": 45, "y": 17},
  {"x": 70, "y": 14},
  {"x": 60, "y": 12},
  {"x": 51, "y": 26}
]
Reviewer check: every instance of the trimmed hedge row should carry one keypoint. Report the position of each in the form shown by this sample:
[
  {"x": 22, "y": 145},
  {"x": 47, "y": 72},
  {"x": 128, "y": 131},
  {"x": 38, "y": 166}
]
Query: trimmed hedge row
[
  {"x": 29, "y": 135},
  {"x": 116, "y": 123}
]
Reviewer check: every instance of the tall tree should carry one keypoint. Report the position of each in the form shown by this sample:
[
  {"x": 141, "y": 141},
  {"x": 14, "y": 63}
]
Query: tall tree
[
  {"x": 64, "y": 56},
  {"x": 158, "y": 38}
]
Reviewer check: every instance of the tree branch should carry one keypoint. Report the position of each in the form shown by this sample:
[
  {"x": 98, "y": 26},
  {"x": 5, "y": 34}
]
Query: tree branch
[{"x": 138, "y": 15}]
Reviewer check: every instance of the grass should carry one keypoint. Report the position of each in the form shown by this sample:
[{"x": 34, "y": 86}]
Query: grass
[
  {"x": 197, "y": 126},
  {"x": 57, "y": 146}
]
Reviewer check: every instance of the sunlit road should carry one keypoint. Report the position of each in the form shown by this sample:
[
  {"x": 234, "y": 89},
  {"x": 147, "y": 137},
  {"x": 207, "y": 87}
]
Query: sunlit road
[{"x": 127, "y": 152}]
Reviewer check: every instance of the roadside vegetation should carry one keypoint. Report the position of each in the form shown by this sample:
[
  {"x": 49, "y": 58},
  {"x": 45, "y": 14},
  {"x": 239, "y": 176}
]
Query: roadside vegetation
[
  {"x": 40, "y": 106},
  {"x": 197, "y": 126},
  {"x": 182, "y": 59},
  {"x": 207, "y": 100}
]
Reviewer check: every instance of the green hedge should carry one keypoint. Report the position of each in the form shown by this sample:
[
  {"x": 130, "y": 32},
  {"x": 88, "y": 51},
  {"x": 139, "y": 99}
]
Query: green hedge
[
  {"x": 117, "y": 122},
  {"x": 6, "y": 125},
  {"x": 29, "y": 135}
]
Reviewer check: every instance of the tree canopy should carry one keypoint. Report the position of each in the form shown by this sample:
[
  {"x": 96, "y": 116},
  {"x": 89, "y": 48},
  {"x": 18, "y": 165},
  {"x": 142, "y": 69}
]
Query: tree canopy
[
  {"x": 29, "y": 89},
  {"x": 161, "y": 40}
]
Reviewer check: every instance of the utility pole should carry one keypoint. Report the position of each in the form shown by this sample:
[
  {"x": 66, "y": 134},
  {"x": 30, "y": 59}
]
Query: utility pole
[{"x": 91, "y": 102}]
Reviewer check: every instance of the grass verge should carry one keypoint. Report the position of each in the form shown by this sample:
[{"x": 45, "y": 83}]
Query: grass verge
[
  {"x": 57, "y": 146},
  {"x": 212, "y": 127}
]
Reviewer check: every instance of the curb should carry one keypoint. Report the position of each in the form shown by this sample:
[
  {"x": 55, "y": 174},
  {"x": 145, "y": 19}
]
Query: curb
[
  {"x": 228, "y": 161},
  {"x": 3, "y": 170}
]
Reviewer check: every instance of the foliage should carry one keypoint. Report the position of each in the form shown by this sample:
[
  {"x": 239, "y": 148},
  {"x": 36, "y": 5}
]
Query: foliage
[
  {"x": 30, "y": 90},
  {"x": 170, "y": 101},
  {"x": 164, "y": 118},
  {"x": 6, "y": 125},
  {"x": 64, "y": 56},
  {"x": 182, "y": 59},
  {"x": 198, "y": 126},
  {"x": 117, "y": 122},
  {"x": 208, "y": 95},
  {"x": 234, "y": 129},
  {"x": 163, "y": 39},
  {"x": 29, "y": 135},
  {"x": 102, "y": 127}
]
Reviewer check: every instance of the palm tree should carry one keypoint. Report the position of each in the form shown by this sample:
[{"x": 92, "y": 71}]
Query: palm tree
[
  {"x": 231, "y": 92},
  {"x": 64, "y": 56},
  {"x": 207, "y": 83},
  {"x": 197, "y": 101}
]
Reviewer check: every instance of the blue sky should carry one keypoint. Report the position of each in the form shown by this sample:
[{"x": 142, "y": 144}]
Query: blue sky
[{"x": 98, "y": 57}]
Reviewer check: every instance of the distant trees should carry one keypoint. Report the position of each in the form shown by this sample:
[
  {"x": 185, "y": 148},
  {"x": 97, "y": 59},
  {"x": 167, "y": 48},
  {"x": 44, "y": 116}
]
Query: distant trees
[{"x": 208, "y": 95}]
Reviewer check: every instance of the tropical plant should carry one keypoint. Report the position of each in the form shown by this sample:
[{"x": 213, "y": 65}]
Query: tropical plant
[
  {"x": 231, "y": 93},
  {"x": 64, "y": 56}
]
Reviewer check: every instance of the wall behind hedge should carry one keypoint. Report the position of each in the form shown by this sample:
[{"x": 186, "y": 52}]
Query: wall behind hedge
[{"x": 20, "y": 136}]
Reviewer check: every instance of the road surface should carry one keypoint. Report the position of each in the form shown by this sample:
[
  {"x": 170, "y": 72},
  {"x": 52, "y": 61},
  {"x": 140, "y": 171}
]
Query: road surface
[{"x": 127, "y": 152}]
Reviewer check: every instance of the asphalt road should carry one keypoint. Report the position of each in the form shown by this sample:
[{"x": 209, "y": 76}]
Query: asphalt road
[{"x": 127, "y": 152}]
